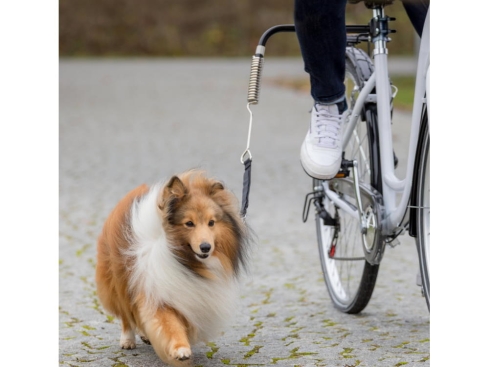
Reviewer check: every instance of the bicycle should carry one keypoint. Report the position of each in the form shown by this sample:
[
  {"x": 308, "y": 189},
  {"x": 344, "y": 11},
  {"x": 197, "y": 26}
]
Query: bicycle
[{"x": 358, "y": 212}]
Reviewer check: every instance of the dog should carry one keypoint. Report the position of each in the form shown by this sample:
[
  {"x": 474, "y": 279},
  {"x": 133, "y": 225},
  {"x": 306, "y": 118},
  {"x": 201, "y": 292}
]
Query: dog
[{"x": 169, "y": 259}]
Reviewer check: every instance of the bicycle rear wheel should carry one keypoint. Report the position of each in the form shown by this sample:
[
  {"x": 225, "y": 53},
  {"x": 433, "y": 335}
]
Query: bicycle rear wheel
[
  {"x": 423, "y": 206},
  {"x": 349, "y": 278}
]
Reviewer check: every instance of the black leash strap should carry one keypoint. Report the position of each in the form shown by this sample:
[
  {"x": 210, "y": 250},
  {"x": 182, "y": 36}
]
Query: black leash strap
[
  {"x": 246, "y": 187},
  {"x": 246, "y": 160}
]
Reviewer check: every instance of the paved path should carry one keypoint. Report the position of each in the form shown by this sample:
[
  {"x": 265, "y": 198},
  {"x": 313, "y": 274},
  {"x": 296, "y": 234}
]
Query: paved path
[{"x": 127, "y": 122}]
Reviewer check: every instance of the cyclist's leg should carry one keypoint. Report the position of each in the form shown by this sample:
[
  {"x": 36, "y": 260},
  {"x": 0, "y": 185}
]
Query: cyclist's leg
[
  {"x": 416, "y": 11},
  {"x": 321, "y": 31}
]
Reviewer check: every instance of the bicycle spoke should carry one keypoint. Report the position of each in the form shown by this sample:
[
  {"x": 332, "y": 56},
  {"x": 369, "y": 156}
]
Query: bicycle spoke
[{"x": 365, "y": 167}]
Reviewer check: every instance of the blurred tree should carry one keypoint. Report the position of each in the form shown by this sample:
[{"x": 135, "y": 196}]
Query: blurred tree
[{"x": 211, "y": 28}]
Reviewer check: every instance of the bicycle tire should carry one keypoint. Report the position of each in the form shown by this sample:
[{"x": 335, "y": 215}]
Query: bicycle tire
[
  {"x": 350, "y": 283},
  {"x": 422, "y": 206}
]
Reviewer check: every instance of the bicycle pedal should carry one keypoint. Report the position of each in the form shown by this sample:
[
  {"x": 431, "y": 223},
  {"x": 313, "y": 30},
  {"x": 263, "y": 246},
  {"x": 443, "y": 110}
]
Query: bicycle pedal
[
  {"x": 344, "y": 168},
  {"x": 342, "y": 174}
]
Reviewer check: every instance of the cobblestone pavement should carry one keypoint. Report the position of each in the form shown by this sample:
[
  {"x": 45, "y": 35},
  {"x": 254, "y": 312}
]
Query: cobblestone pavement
[{"x": 125, "y": 122}]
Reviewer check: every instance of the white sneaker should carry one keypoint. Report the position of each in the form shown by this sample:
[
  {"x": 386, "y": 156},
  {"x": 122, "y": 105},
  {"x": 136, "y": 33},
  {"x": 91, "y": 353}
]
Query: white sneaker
[{"x": 322, "y": 147}]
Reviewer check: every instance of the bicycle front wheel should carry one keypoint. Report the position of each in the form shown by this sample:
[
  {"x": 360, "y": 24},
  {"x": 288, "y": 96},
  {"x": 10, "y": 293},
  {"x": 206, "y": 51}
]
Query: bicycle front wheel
[
  {"x": 423, "y": 206},
  {"x": 350, "y": 279}
]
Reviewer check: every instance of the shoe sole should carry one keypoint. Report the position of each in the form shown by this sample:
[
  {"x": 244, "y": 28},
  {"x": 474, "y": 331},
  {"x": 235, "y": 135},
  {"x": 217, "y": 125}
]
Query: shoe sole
[
  {"x": 316, "y": 176},
  {"x": 312, "y": 174}
]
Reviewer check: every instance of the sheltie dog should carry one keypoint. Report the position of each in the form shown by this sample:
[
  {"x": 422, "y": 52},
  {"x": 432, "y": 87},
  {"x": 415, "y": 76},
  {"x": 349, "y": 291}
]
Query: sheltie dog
[{"x": 168, "y": 263}]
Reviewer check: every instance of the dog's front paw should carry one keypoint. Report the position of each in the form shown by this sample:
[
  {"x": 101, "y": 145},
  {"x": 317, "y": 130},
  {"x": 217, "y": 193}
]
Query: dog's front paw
[
  {"x": 128, "y": 339},
  {"x": 128, "y": 344},
  {"x": 181, "y": 353}
]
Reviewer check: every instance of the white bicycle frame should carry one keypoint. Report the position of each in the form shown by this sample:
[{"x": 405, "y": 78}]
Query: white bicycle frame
[{"x": 393, "y": 208}]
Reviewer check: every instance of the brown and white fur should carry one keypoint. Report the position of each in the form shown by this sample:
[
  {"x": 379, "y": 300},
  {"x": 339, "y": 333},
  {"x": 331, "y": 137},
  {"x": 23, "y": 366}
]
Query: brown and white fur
[{"x": 168, "y": 262}]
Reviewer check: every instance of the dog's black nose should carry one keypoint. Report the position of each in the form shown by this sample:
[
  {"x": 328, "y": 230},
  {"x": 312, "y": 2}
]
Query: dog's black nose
[{"x": 205, "y": 247}]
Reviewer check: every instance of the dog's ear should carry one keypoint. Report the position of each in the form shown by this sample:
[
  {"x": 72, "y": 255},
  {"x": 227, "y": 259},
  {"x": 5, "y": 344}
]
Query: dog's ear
[
  {"x": 215, "y": 188},
  {"x": 175, "y": 188},
  {"x": 173, "y": 191}
]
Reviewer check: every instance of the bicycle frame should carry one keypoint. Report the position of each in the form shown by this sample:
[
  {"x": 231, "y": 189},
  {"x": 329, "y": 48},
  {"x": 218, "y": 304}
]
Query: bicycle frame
[
  {"x": 395, "y": 212},
  {"x": 376, "y": 208}
]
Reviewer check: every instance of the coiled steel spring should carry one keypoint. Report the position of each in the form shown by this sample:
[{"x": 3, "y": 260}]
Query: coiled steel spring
[{"x": 254, "y": 85}]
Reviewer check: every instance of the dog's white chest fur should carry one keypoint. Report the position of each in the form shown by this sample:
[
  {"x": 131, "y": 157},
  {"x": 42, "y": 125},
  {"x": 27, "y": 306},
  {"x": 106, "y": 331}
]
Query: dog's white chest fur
[{"x": 208, "y": 305}]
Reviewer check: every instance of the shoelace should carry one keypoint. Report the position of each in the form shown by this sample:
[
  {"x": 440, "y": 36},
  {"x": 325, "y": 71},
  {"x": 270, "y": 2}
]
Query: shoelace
[{"x": 327, "y": 126}]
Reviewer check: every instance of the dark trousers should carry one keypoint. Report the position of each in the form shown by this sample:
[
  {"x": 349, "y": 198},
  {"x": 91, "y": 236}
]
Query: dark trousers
[{"x": 321, "y": 31}]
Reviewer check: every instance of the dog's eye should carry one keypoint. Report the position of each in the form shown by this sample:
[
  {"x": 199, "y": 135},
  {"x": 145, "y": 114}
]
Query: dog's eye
[
  {"x": 211, "y": 223},
  {"x": 189, "y": 224}
]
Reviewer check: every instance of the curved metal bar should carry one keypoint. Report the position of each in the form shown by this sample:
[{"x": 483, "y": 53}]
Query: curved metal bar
[{"x": 275, "y": 29}]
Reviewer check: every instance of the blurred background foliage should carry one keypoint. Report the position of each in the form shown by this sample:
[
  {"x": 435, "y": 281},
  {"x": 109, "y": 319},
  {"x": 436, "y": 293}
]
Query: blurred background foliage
[{"x": 210, "y": 28}]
